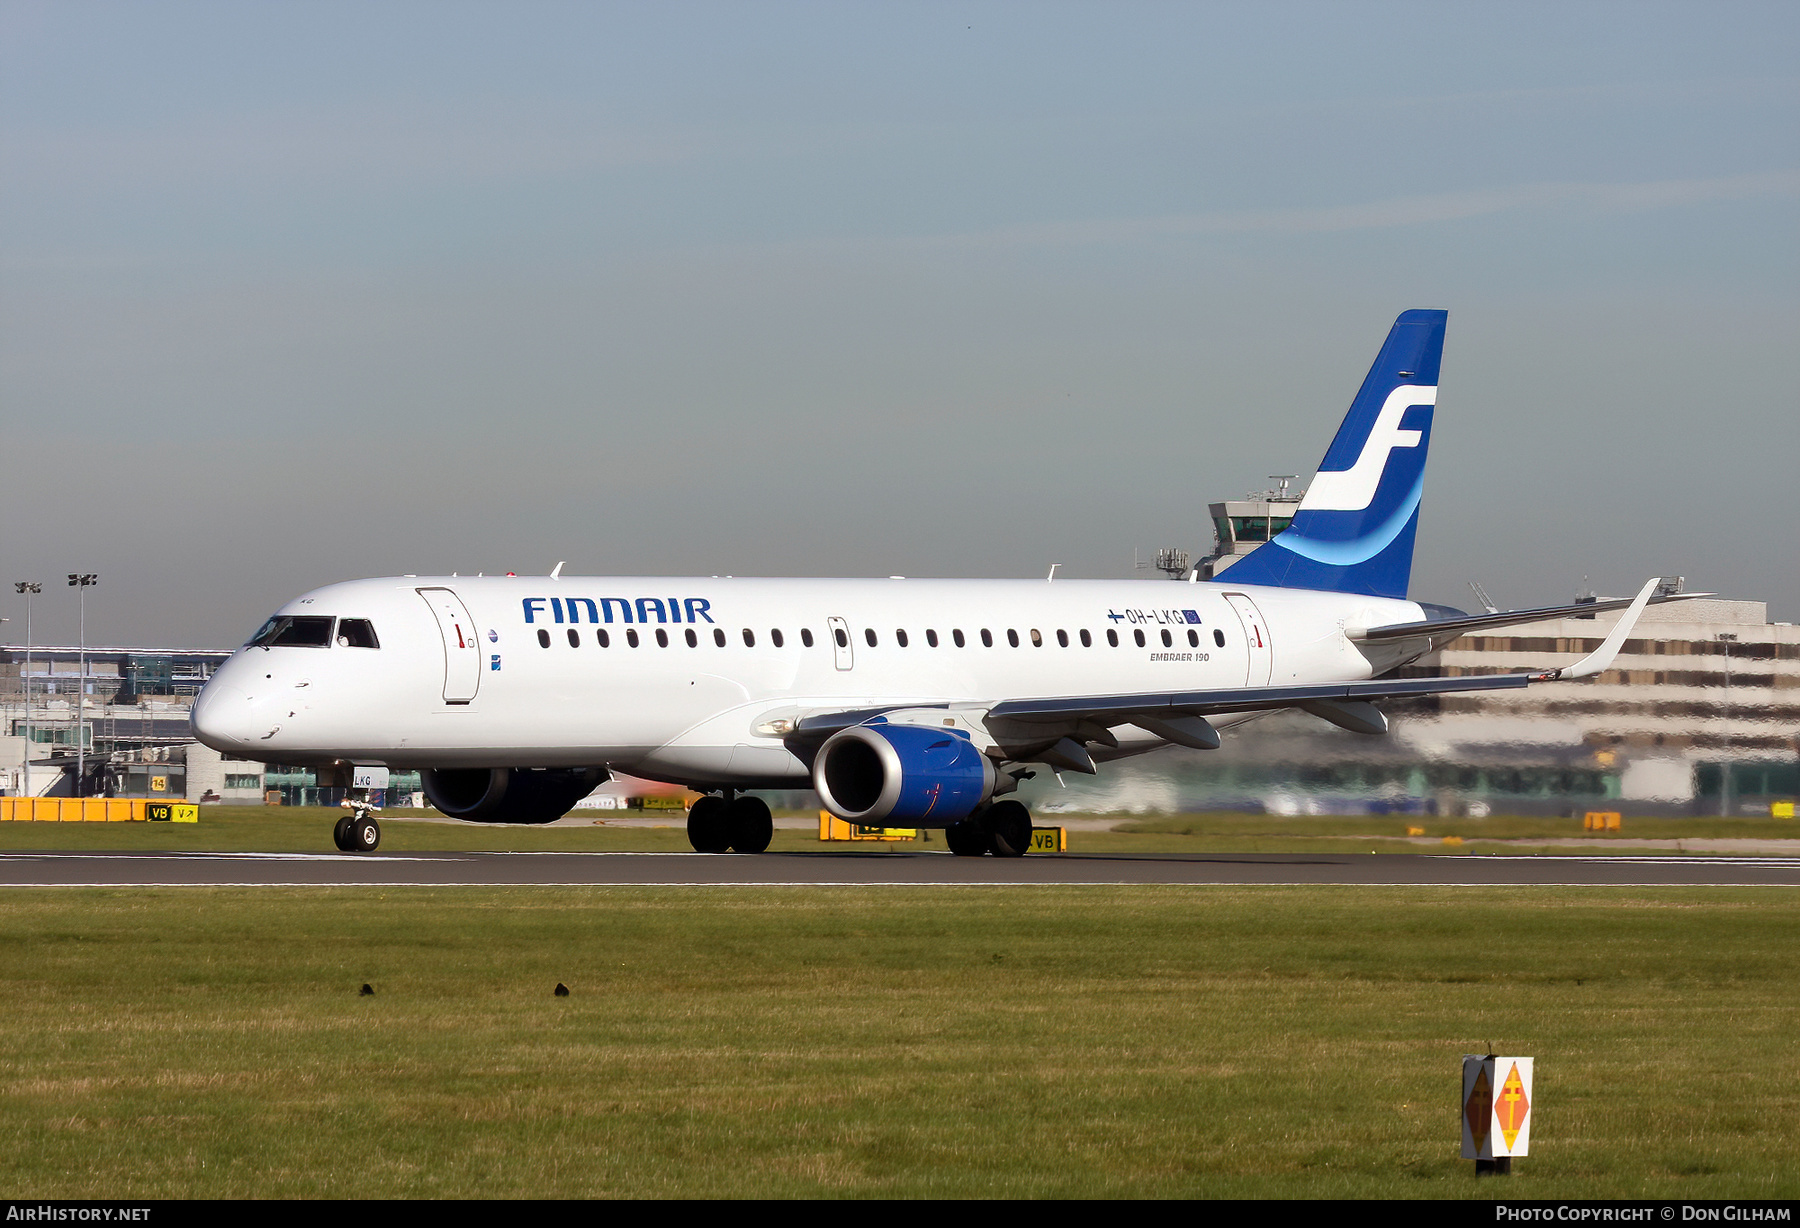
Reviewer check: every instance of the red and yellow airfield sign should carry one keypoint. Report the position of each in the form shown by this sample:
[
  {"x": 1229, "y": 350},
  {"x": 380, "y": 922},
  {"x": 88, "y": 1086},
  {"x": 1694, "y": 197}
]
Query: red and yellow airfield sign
[{"x": 1496, "y": 1107}]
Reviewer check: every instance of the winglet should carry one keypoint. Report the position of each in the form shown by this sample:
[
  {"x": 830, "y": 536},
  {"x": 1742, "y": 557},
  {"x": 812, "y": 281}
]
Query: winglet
[
  {"x": 557, "y": 575},
  {"x": 1602, "y": 656}
]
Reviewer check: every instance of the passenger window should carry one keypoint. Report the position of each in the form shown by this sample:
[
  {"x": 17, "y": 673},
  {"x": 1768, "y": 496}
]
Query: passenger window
[
  {"x": 987, "y": 638},
  {"x": 719, "y": 636},
  {"x": 1168, "y": 640},
  {"x": 662, "y": 638},
  {"x": 806, "y": 636},
  {"x": 1012, "y": 637},
  {"x": 631, "y": 637},
  {"x": 543, "y": 638},
  {"x": 692, "y": 639},
  {"x": 1139, "y": 637},
  {"x": 900, "y": 636},
  {"x": 957, "y": 636},
  {"x": 574, "y": 638},
  {"x": 931, "y": 637},
  {"x": 1037, "y": 638},
  {"x": 1193, "y": 638},
  {"x": 775, "y": 636},
  {"x": 357, "y": 633},
  {"x": 1112, "y": 637},
  {"x": 1087, "y": 641},
  {"x": 1062, "y": 638},
  {"x": 749, "y": 638},
  {"x": 1218, "y": 637},
  {"x": 843, "y": 637},
  {"x": 869, "y": 635},
  {"x": 603, "y": 637}
]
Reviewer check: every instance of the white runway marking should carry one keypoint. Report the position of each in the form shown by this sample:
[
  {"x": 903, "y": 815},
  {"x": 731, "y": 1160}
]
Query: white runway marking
[
  {"x": 1676, "y": 859},
  {"x": 159, "y": 856},
  {"x": 536, "y": 869},
  {"x": 133, "y": 886}
]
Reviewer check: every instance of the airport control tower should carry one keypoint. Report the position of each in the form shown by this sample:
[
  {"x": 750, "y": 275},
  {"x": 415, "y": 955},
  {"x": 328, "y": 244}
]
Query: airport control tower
[{"x": 1241, "y": 525}]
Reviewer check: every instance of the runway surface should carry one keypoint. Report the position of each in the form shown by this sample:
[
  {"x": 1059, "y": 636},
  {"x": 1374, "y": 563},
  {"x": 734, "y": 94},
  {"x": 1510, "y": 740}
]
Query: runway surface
[{"x": 844, "y": 868}]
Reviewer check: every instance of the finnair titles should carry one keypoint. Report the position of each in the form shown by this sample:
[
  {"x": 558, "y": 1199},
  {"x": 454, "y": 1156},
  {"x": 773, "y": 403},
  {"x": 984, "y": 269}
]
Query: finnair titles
[{"x": 917, "y": 703}]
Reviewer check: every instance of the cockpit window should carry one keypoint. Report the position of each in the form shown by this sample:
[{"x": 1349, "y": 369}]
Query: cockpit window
[
  {"x": 357, "y": 633},
  {"x": 293, "y": 631}
]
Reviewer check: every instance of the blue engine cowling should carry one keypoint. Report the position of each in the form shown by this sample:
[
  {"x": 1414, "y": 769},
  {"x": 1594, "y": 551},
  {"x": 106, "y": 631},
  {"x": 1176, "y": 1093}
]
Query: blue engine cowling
[{"x": 902, "y": 775}]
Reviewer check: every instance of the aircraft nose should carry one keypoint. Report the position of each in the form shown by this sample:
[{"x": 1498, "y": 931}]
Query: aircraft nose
[{"x": 225, "y": 716}]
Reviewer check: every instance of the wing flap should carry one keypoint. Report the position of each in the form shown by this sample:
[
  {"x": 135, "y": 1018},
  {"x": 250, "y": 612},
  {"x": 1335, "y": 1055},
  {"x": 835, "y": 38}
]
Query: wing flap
[{"x": 1120, "y": 709}]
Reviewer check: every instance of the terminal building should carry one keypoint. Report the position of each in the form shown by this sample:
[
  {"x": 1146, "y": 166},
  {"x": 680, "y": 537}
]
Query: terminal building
[{"x": 1700, "y": 715}]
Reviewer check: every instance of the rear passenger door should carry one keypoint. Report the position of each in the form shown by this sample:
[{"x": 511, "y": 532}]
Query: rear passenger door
[{"x": 1256, "y": 639}]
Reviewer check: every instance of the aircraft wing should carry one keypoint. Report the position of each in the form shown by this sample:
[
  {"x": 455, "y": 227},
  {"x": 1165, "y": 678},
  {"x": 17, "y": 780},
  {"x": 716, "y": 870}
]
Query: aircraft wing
[
  {"x": 1250, "y": 699},
  {"x": 1057, "y": 729}
]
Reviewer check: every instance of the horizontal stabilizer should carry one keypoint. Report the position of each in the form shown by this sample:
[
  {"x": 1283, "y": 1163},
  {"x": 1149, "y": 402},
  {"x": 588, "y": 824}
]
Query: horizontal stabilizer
[{"x": 1443, "y": 630}]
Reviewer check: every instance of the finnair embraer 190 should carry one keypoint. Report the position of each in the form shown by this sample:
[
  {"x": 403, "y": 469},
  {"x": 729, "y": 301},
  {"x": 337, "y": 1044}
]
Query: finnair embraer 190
[{"x": 904, "y": 703}]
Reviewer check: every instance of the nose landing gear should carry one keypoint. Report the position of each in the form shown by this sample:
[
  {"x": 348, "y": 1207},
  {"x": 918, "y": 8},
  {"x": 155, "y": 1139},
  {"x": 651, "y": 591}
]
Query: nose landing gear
[{"x": 357, "y": 832}]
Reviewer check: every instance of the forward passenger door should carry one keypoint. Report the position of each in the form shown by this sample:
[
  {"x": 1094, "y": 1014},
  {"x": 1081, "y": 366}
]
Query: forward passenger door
[{"x": 462, "y": 644}]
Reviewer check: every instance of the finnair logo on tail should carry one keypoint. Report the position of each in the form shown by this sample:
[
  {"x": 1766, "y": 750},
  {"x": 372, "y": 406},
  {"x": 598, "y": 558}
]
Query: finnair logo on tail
[{"x": 1353, "y": 489}]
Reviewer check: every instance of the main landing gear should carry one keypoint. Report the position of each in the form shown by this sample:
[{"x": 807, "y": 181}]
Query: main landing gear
[
  {"x": 1003, "y": 829},
  {"x": 730, "y": 824},
  {"x": 357, "y": 832}
]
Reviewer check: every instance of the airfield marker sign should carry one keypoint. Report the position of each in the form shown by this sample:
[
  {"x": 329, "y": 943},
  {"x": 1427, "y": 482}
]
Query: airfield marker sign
[{"x": 1496, "y": 1111}]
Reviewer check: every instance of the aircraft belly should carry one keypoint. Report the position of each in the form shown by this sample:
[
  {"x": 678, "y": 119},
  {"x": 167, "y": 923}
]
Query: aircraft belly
[{"x": 734, "y": 764}]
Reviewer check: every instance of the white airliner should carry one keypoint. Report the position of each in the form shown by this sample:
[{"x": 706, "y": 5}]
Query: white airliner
[{"x": 917, "y": 703}]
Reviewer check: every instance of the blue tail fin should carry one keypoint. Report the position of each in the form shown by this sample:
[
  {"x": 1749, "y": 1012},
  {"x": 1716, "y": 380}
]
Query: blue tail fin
[{"x": 1353, "y": 532}]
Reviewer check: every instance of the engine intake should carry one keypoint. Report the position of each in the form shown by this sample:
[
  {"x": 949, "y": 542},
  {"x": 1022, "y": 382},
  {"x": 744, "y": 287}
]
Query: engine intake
[{"x": 913, "y": 775}]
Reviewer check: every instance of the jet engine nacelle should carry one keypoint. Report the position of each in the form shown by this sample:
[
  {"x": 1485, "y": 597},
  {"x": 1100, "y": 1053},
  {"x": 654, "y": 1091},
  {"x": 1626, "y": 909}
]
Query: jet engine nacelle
[
  {"x": 508, "y": 795},
  {"x": 884, "y": 775}
]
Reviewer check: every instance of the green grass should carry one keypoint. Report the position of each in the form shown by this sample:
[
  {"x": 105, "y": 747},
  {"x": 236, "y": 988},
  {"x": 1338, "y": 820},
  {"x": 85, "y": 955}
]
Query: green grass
[
  {"x": 1496, "y": 827},
  {"x": 295, "y": 829},
  {"x": 1158, "y": 1041},
  {"x": 1515, "y": 834}
]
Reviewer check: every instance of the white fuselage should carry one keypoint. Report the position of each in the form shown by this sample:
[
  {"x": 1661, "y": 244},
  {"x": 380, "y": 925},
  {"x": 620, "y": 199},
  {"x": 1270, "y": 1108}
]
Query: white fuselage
[{"x": 492, "y": 693}]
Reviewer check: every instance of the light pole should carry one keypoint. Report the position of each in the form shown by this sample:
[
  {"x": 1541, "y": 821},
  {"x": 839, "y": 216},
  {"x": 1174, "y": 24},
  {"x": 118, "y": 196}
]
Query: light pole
[
  {"x": 1725, "y": 640},
  {"x": 27, "y": 745},
  {"x": 30, "y": 589},
  {"x": 81, "y": 584}
]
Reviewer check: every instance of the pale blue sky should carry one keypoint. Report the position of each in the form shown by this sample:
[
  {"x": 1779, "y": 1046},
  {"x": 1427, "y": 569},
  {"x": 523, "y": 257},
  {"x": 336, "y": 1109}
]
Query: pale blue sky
[{"x": 317, "y": 291}]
